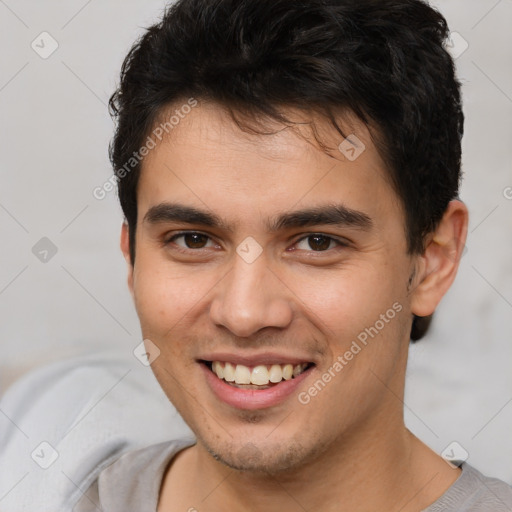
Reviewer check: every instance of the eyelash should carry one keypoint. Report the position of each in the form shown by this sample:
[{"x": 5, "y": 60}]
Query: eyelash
[{"x": 341, "y": 244}]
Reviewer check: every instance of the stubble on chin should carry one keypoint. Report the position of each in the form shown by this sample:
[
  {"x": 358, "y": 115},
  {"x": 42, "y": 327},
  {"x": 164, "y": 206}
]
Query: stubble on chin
[{"x": 272, "y": 459}]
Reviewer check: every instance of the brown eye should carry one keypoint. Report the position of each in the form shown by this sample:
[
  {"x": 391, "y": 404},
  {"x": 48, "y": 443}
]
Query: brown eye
[
  {"x": 191, "y": 240},
  {"x": 195, "y": 240},
  {"x": 318, "y": 242}
]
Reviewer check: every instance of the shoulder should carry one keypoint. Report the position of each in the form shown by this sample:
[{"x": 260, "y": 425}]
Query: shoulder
[
  {"x": 474, "y": 492},
  {"x": 88, "y": 410},
  {"x": 132, "y": 481}
]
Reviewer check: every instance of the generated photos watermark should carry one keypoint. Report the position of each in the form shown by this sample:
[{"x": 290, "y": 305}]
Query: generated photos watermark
[
  {"x": 157, "y": 134},
  {"x": 342, "y": 360}
]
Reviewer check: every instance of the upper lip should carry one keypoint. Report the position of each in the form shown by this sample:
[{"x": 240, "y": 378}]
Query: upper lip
[{"x": 263, "y": 358}]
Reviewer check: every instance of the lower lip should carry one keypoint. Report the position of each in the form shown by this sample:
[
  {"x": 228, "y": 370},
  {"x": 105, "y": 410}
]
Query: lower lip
[{"x": 252, "y": 399}]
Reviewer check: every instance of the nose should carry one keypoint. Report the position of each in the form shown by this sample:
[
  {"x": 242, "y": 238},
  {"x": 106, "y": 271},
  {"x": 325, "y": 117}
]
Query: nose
[{"x": 250, "y": 298}]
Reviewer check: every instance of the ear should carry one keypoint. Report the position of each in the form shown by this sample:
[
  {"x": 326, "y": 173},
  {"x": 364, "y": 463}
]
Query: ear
[
  {"x": 439, "y": 263},
  {"x": 125, "y": 248}
]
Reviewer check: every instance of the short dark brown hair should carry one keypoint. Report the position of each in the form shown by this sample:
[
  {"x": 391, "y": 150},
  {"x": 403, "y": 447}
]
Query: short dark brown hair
[{"x": 383, "y": 60}]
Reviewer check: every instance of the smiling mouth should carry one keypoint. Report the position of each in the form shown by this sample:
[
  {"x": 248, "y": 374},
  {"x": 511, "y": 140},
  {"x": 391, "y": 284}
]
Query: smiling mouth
[{"x": 256, "y": 377}]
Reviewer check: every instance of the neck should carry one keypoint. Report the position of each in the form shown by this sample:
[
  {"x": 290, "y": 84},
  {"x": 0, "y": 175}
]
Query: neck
[{"x": 381, "y": 466}]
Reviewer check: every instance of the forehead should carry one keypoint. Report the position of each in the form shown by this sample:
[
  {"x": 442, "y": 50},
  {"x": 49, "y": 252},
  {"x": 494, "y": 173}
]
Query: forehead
[{"x": 210, "y": 161}]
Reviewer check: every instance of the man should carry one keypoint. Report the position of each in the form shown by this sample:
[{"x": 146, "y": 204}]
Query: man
[{"x": 289, "y": 175}]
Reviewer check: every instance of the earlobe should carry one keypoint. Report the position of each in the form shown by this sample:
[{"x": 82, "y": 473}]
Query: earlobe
[
  {"x": 440, "y": 260},
  {"x": 125, "y": 249}
]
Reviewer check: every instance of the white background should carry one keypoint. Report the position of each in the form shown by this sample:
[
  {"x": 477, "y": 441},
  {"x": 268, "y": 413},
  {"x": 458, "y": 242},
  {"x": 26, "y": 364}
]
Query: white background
[{"x": 55, "y": 129}]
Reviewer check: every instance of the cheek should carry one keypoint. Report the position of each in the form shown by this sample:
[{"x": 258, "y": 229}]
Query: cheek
[
  {"x": 160, "y": 300},
  {"x": 348, "y": 300},
  {"x": 168, "y": 297}
]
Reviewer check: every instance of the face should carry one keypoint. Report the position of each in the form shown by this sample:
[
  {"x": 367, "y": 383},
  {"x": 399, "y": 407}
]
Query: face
[{"x": 258, "y": 256}]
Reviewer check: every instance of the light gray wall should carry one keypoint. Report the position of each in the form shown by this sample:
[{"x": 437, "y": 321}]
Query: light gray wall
[{"x": 54, "y": 134}]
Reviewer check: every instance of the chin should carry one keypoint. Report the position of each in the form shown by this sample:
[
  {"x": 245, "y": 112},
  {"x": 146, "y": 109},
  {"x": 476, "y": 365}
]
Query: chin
[{"x": 262, "y": 456}]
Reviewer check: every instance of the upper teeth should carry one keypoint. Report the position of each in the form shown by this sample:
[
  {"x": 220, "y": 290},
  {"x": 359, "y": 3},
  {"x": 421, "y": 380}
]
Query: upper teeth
[{"x": 259, "y": 375}]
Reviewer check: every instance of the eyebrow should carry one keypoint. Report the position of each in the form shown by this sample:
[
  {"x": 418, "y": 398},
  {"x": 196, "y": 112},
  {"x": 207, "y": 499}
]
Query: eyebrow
[{"x": 330, "y": 214}]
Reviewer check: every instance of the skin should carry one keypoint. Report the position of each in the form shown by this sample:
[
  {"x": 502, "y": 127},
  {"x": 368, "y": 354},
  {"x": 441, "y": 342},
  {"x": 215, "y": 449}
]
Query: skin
[{"x": 348, "y": 448}]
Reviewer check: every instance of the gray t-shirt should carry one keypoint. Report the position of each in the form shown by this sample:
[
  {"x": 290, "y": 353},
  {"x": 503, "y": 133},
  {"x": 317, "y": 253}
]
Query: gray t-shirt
[{"x": 132, "y": 484}]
